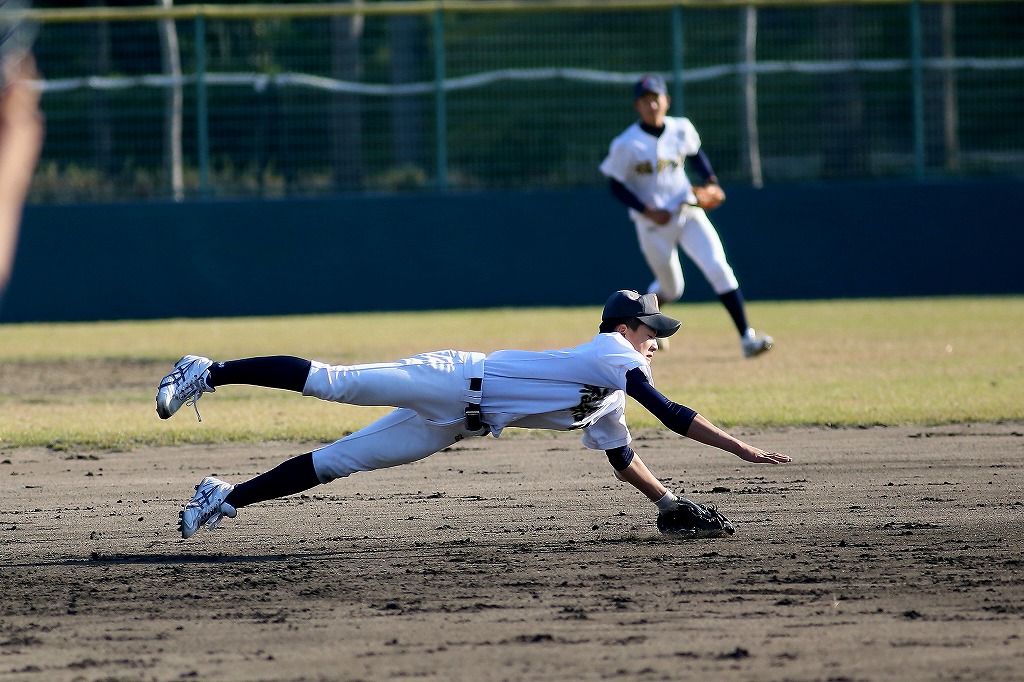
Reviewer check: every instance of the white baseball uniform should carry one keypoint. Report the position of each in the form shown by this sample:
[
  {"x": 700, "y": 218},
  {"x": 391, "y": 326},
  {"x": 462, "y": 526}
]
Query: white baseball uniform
[
  {"x": 575, "y": 388},
  {"x": 652, "y": 168}
]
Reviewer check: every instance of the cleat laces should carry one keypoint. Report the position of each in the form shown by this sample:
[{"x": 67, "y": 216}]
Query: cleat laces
[
  {"x": 214, "y": 520},
  {"x": 189, "y": 393},
  {"x": 192, "y": 402}
]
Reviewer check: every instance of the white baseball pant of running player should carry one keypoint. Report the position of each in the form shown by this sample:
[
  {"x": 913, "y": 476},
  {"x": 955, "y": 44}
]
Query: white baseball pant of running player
[{"x": 692, "y": 231}]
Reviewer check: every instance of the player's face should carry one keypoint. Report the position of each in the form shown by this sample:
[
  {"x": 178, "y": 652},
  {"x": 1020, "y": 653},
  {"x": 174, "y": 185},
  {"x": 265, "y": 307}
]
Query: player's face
[
  {"x": 652, "y": 108},
  {"x": 643, "y": 339}
]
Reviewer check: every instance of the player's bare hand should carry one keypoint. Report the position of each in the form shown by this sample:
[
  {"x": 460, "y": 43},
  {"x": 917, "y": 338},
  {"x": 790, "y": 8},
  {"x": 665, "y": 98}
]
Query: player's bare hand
[
  {"x": 764, "y": 457},
  {"x": 709, "y": 197},
  {"x": 659, "y": 216}
]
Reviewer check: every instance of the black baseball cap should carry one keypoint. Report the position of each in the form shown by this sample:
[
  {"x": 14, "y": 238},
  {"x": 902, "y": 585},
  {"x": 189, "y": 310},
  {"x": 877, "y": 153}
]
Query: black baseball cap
[
  {"x": 625, "y": 304},
  {"x": 649, "y": 83}
]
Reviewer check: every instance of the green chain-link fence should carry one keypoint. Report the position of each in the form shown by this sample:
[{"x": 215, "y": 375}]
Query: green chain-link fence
[{"x": 306, "y": 100}]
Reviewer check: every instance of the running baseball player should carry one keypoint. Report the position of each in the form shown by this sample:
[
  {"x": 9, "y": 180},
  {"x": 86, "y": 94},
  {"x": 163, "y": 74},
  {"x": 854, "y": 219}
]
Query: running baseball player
[
  {"x": 444, "y": 396},
  {"x": 646, "y": 171}
]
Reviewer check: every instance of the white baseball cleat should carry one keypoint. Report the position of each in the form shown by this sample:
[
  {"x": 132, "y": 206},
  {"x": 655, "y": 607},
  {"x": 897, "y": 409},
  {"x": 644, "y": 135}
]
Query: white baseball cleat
[
  {"x": 754, "y": 344},
  {"x": 207, "y": 507},
  {"x": 183, "y": 386}
]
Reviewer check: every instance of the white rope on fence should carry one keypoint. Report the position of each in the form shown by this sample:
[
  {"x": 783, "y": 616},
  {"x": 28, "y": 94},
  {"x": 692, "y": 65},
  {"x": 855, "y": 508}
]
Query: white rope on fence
[{"x": 260, "y": 82}]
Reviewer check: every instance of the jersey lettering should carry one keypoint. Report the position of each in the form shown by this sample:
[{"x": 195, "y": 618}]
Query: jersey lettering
[
  {"x": 645, "y": 167},
  {"x": 590, "y": 398},
  {"x": 667, "y": 164}
]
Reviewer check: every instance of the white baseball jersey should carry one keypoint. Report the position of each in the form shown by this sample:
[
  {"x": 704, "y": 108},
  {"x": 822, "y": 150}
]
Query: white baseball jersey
[
  {"x": 651, "y": 167},
  {"x": 581, "y": 387}
]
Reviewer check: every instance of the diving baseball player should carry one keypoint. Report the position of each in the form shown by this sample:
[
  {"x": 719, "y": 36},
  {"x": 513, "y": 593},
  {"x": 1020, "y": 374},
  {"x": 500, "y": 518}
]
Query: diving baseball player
[
  {"x": 646, "y": 170},
  {"x": 444, "y": 396}
]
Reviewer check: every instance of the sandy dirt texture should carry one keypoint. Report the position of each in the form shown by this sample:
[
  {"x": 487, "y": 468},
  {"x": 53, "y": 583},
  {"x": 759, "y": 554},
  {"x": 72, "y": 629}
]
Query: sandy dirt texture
[{"x": 878, "y": 554}]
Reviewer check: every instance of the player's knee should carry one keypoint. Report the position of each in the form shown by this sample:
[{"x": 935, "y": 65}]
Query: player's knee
[
  {"x": 668, "y": 294},
  {"x": 329, "y": 468},
  {"x": 723, "y": 281}
]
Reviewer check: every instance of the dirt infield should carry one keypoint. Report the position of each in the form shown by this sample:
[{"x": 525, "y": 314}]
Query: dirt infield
[{"x": 879, "y": 554}]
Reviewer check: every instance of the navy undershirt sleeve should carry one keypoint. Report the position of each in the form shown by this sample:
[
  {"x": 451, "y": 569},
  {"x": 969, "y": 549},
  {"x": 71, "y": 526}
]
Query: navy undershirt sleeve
[
  {"x": 622, "y": 193},
  {"x": 673, "y": 415},
  {"x": 700, "y": 163}
]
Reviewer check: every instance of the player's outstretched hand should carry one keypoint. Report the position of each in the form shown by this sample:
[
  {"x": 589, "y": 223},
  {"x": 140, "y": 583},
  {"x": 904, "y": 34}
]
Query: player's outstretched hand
[{"x": 764, "y": 457}]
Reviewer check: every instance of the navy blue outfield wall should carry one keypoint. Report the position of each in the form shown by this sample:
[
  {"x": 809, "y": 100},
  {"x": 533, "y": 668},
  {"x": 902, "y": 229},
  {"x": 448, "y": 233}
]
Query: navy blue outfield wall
[{"x": 416, "y": 252}]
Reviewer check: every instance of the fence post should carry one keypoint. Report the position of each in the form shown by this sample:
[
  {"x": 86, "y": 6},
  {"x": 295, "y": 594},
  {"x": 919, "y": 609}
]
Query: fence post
[
  {"x": 917, "y": 85},
  {"x": 441, "y": 116},
  {"x": 748, "y": 88},
  {"x": 677, "y": 60},
  {"x": 202, "y": 114}
]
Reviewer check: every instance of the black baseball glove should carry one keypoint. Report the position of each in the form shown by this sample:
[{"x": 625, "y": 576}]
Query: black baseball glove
[{"x": 692, "y": 520}]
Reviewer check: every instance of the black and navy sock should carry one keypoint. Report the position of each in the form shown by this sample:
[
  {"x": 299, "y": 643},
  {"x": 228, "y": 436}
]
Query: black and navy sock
[
  {"x": 733, "y": 302},
  {"x": 288, "y": 478},
  {"x": 278, "y": 371}
]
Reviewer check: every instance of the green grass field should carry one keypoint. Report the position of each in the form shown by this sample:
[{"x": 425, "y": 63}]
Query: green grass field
[{"x": 842, "y": 363}]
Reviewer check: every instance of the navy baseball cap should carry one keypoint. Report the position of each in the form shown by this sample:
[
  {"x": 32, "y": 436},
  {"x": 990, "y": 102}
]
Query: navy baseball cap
[
  {"x": 626, "y": 303},
  {"x": 649, "y": 83}
]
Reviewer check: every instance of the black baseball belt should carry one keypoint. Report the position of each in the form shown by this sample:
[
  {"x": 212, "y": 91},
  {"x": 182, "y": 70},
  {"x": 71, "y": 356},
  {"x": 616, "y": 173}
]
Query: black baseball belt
[
  {"x": 474, "y": 372},
  {"x": 474, "y": 417}
]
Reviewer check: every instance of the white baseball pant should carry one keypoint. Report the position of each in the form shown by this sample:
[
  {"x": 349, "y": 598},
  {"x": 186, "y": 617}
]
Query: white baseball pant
[
  {"x": 692, "y": 231},
  {"x": 431, "y": 391}
]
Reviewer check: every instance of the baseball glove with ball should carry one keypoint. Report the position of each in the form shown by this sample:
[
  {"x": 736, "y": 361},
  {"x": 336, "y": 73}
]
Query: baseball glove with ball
[
  {"x": 709, "y": 197},
  {"x": 692, "y": 520}
]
